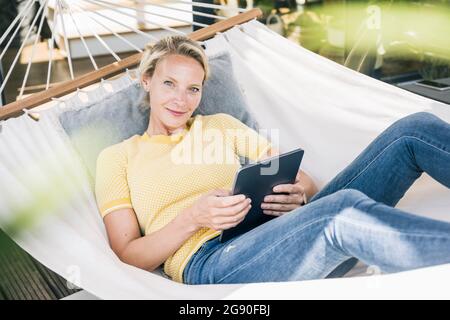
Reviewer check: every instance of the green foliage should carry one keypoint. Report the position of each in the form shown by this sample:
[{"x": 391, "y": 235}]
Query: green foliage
[
  {"x": 411, "y": 33},
  {"x": 266, "y": 7},
  {"x": 434, "y": 67}
]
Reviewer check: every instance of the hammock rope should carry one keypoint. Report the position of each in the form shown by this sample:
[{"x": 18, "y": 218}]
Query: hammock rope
[
  {"x": 23, "y": 14},
  {"x": 30, "y": 60},
  {"x": 114, "y": 7},
  {"x": 66, "y": 41},
  {"x": 65, "y": 11},
  {"x": 82, "y": 39},
  {"x": 21, "y": 47}
]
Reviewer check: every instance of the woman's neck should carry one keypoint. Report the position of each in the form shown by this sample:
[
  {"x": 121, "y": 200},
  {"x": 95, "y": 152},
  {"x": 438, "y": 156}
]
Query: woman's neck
[{"x": 157, "y": 128}]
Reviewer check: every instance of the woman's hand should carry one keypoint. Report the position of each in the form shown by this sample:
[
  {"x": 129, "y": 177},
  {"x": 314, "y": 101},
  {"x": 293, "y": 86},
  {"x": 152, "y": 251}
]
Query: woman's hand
[
  {"x": 297, "y": 193},
  {"x": 219, "y": 210},
  {"x": 279, "y": 204}
]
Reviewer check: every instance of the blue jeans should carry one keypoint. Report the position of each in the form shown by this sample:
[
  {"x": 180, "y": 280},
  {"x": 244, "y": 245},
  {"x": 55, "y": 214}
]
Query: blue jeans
[{"x": 352, "y": 217}]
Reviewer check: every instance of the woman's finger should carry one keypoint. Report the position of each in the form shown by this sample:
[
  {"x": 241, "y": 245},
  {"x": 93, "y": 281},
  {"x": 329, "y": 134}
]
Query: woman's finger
[
  {"x": 232, "y": 210},
  {"x": 282, "y": 198},
  {"x": 232, "y": 224},
  {"x": 234, "y": 217},
  {"x": 278, "y": 206},
  {"x": 289, "y": 188},
  {"x": 227, "y": 201},
  {"x": 283, "y": 188},
  {"x": 274, "y": 213}
]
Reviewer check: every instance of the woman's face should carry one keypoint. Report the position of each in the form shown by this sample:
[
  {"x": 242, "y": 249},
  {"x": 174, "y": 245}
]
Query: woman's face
[{"x": 175, "y": 91}]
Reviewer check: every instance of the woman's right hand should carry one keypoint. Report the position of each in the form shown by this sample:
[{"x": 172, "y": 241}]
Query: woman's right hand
[{"x": 219, "y": 210}]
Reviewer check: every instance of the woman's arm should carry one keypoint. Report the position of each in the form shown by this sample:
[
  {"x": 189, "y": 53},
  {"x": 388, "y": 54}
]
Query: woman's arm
[
  {"x": 150, "y": 251},
  {"x": 305, "y": 179},
  {"x": 216, "y": 209}
]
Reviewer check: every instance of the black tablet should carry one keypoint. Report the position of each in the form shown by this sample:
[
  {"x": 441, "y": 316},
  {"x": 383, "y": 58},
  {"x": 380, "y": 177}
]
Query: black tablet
[{"x": 256, "y": 181}]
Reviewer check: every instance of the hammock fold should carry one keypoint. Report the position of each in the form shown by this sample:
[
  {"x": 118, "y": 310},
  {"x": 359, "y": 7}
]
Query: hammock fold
[{"x": 328, "y": 110}]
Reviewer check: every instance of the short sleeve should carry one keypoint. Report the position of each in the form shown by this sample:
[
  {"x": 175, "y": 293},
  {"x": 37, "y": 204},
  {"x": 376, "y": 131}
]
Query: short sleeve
[
  {"x": 246, "y": 141},
  {"x": 111, "y": 186}
]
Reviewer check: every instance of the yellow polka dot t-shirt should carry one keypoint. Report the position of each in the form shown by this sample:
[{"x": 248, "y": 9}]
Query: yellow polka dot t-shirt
[{"x": 161, "y": 175}]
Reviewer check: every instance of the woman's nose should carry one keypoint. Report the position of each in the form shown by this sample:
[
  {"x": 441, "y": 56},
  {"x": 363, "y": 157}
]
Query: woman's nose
[{"x": 181, "y": 96}]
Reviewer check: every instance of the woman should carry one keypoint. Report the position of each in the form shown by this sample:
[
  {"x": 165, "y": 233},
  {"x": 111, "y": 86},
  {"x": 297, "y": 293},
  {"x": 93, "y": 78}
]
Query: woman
[{"x": 165, "y": 197}]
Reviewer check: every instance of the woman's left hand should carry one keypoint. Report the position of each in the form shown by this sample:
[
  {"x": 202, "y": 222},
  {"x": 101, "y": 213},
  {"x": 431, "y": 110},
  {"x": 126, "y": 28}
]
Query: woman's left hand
[{"x": 279, "y": 204}]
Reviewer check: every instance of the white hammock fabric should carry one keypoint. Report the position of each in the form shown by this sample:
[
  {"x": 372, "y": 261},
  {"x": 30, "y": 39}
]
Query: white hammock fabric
[{"x": 329, "y": 110}]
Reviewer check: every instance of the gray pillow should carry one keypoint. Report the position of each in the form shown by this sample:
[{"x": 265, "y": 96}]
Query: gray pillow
[
  {"x": 114, "y": 118},
  {"x": 222, "y": 94},
  {"x": 119, "y": 116}
]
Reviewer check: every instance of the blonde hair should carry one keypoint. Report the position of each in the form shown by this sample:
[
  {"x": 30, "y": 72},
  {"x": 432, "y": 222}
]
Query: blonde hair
[{"x": 175, "y": 44}]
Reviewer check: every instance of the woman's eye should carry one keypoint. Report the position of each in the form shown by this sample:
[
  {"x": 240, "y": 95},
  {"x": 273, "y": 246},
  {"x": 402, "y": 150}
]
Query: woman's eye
[
  {"x": 195, "y": 90},
  {"x": 168, "y": 83}
]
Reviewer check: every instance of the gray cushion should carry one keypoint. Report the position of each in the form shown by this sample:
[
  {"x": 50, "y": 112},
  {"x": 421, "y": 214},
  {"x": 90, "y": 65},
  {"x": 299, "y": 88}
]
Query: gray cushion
[
  {"x": 222, "y": 94},
  {"x": 118, "y": 116}
]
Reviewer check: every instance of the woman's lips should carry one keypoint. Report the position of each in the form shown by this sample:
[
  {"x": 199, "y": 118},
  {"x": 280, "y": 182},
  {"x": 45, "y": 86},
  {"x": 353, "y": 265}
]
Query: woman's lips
[{"x": 175, "y": 113}]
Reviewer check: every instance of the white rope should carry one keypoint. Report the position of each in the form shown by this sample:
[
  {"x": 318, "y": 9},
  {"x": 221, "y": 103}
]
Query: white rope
[
  {"x": 14, "y": 34},
  {"x": 117, "y": 35},
  {"x": 52, "y": 41},
  {"x": 105, "y": 45},
  {"x": 83, "y": 41},
  {"x": 205, "y": 5},
  {"x": 15, "y": 21},
  {"x": 62, "y": 6},
  {"x": 153, "y": 38},
  {"x": 106, "y": 85},
  {"x": 128, "y": 72},
  {"x": 82, "y": 95},
  {"x": 21, "y": 49},
  {"x": 66, "y": 41},
  {"x": 115, "y": 9},
  {"x": 107, "y": 28},
  {"x": 189, "y": 11},
  {"x": 103, "y": 3},
  {"x": 30, "y": 60},
  {"x": 58, "y": 99},
  {"x": 33, "y": 115}
]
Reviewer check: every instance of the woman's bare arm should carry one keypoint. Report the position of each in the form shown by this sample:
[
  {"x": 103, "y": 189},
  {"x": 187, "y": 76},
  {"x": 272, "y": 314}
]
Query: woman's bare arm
[
  {"x": 150, "y": 251},
  {"x": 217, "y": 209},
  {"x": 305, "y": 179}
]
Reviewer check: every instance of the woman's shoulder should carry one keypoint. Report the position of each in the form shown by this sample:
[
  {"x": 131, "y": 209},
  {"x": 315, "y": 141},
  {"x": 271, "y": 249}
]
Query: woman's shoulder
[
  {"x": 118, "y": 150},
  {"x": 219, "y": 119}
]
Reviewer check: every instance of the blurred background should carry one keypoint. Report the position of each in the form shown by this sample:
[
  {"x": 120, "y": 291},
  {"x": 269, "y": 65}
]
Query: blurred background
[
  {"x": 393, "y": 41},
  {"x": 397, "y": 42}
]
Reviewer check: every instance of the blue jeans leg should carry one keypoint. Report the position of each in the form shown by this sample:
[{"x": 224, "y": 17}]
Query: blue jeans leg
[
  {"x": 310, "y": 241},
  {"x": 387, "y": 168}
]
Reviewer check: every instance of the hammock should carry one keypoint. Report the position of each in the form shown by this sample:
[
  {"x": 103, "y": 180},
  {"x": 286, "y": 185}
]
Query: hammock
[{"x": 314, "y": 103}]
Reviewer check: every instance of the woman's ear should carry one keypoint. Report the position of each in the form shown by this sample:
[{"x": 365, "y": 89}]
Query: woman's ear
[{"x": 145, "y": 81}]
